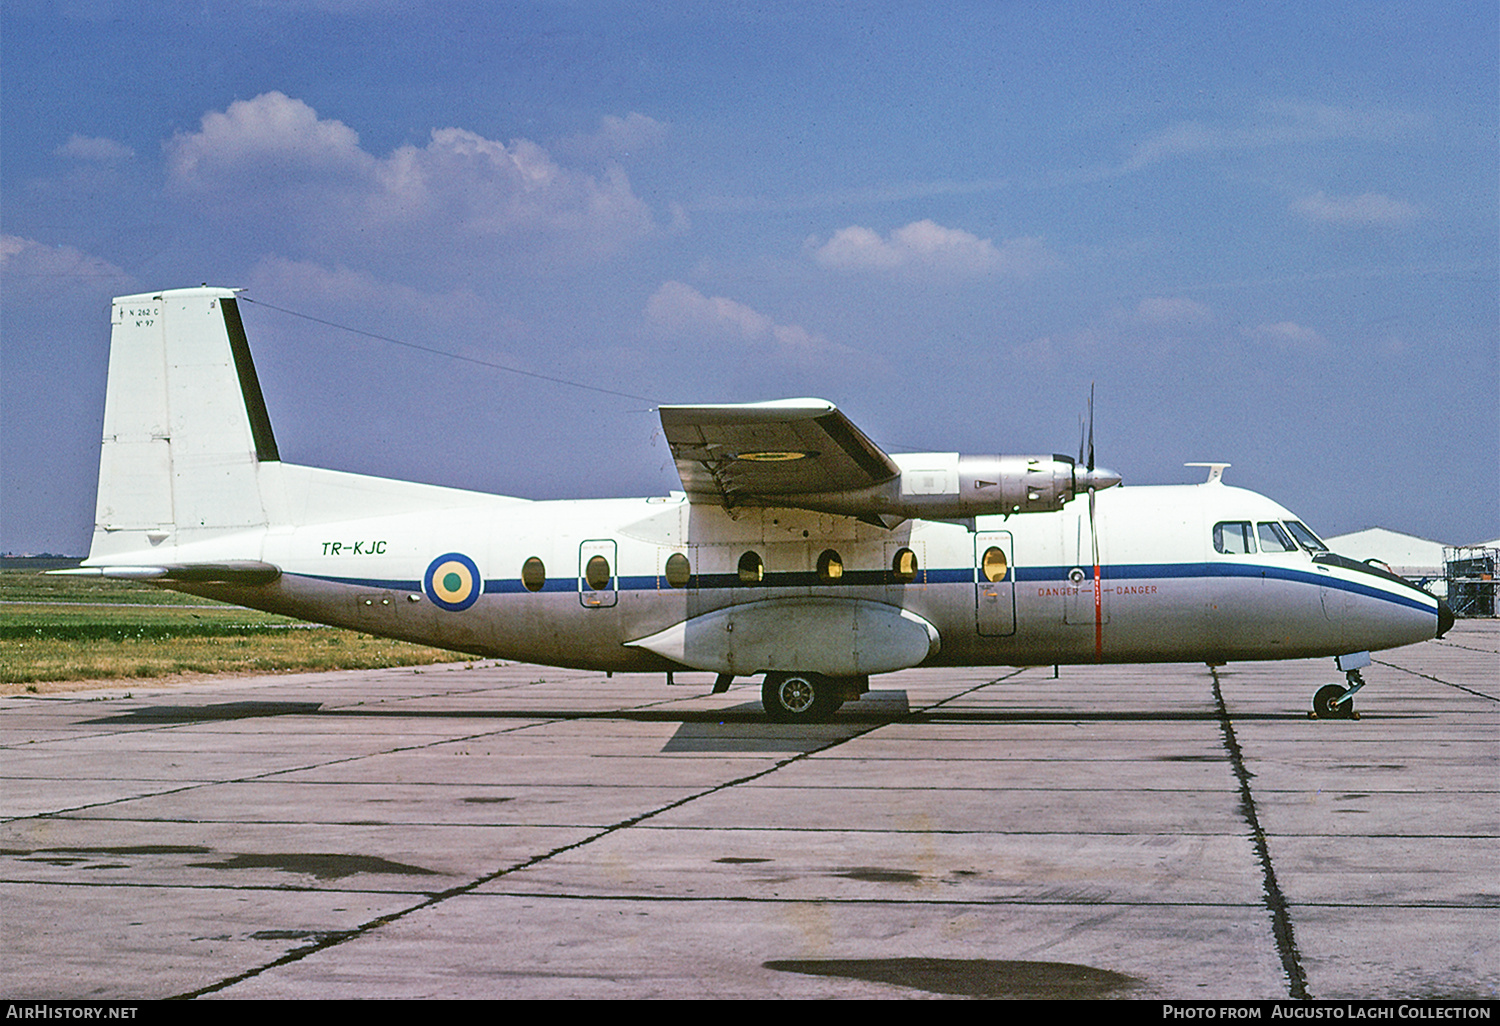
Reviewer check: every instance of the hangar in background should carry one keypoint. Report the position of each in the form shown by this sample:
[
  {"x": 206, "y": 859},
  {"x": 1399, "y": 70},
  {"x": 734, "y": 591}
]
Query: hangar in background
[{"x": 1464, "y": 575}]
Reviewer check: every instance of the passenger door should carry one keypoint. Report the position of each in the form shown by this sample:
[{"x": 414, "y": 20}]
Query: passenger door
[
  {"x": 994, "y": 584},
  {"x": 598, "y": 579}
]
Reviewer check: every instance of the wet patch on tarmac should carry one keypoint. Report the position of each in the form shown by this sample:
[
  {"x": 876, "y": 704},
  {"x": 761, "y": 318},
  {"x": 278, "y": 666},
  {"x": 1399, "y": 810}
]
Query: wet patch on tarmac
[
  {"x": 322, "y": 866},
  {"x": 874, "y": 874},
  {"x": 971, "y": 977},
  {"x": 85, "y": 856}
]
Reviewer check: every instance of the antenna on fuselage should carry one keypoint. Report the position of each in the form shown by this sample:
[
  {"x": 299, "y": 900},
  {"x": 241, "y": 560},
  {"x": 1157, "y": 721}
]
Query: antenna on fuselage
[{"x": 1215, "y": 471}]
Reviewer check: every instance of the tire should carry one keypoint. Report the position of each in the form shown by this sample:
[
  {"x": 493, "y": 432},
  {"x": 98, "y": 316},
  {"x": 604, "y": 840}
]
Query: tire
[
  {"x": 799, "y": 697},
  {"x": 1324, "y": 703}
]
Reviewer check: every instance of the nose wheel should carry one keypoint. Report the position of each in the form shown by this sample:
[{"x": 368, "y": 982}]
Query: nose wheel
[{"x": 1336, "y": 701}]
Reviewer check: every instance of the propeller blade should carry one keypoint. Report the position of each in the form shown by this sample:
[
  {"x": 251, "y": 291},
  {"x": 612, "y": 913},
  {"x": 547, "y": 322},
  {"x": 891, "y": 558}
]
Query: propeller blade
[
  {"x": 1091, "y": 425},
  {"x": 1098, "y": 584}
]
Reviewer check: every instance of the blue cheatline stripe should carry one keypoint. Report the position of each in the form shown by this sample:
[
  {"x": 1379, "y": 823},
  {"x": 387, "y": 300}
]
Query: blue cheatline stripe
[{"x": 1117, "y": 573}]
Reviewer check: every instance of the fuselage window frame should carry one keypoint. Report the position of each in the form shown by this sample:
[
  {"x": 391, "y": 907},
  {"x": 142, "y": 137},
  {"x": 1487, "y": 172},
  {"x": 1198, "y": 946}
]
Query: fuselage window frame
[
  {"x": 1231, "y": 533},
  {"x": 905, "y": 566},
  {"x": 678, "y": 571},
  {"x": 752, "y": 569},
  {"x": 597, "y": 573},
  {"x": 993, "y": 566},
  {"x": 533, "y": 574},
  {"x": 1273, "y": 538},
  {"x": 830, "y": 566},
  {"x": 1312, "y": 543}
]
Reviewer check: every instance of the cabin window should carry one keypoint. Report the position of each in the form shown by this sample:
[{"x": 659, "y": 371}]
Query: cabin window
[
  {"x": 596, "y": 573},
  {"x": 904, "y": 566},
  {"x": 993, "y": 565},
  {"x": 1273, "y": 538},
  {"x": 1308, "y": 540},
  {"x": 533, "y": 574},
  {"x": 830, "y": 566},
  {"x": 752, "y": 570},
  {"x": 1233, "y": 537},
  {"x": 678, "y": 570}
]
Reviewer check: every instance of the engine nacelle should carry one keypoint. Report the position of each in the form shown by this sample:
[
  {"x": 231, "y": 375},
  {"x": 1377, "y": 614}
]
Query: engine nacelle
[{"x": 951, "y": 486}]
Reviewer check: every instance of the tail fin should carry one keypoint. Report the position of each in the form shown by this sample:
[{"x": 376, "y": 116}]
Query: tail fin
[{"x": 185, "y": 425}]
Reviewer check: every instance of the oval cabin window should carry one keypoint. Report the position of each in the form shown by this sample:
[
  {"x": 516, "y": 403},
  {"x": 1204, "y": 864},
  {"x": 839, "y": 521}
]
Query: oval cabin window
[
  {"x": 533, "y": 574},
  {"x": 904, "y": 566},
  {"x": 596, "y": 573},
  {"x": 830, "y": 566},
  {"x": 993, "y": 565},
  {"x": 678, "y": 570},
  {"x": 752, "y": 570}
]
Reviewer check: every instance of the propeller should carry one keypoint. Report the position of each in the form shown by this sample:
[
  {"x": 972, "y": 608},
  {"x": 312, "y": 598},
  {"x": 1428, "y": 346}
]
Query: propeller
[{"x": 1094, "y": 478}]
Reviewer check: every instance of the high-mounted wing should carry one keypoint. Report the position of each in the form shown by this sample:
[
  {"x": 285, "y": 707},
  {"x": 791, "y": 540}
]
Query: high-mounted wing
[
  {"x": 768, "y": 453},
  {"x": 805, "y": 454}
]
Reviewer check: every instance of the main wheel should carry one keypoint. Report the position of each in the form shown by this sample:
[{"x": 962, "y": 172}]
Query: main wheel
[
  {"x": 1326, "y": 703},
  {"x": 799, "y": 697}
]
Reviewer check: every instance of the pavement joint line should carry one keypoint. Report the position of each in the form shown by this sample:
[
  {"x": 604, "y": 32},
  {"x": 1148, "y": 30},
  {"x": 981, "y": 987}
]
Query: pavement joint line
[
  {"x": 1439, "y": 680},
  {"x": 1275, "y": 900},
  {"x": 338, "y": 937},
  {"x": 334, "y": 938}
]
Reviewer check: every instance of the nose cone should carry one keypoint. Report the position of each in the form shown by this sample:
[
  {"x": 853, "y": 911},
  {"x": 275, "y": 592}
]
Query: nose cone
[
  {"x": 1445, "y": 618},
  {"x": 1098, "y": 479}
]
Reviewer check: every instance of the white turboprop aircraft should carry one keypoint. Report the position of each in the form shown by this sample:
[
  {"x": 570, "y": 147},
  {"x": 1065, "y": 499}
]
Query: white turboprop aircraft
[{"x": 798, "y": 549}]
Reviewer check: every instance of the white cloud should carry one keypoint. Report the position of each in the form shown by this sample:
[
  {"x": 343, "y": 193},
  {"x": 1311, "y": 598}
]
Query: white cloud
[
  {"x": 681, "y": 311},
  {"x": 617, "y": 138},
  {"x": 459, "y": 199},
  {"x": 27, "y": 264},
  {"x": 928, "y": 246},
  {"x": 1286, "y": 335},
  {"x": 272, "y": 132},
  {"x": 1160, "y": 311},
  {"x": 1370, "y": 209},
  {"x": 1271, "y": 124},
  {"x": 98, "y": 150}
]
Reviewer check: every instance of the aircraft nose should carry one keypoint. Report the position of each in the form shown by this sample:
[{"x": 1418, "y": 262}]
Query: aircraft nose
[
  {"x": 1445, "y": 618},
  {"x": 1098, "y": 479}
]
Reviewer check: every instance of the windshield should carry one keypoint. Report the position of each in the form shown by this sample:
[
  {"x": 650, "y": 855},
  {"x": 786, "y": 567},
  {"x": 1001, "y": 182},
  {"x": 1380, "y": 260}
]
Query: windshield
[{"x": 1308, "y": 540}]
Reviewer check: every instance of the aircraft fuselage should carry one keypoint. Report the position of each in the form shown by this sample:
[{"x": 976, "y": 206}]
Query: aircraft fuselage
[{"x": 1165, "y": 591}]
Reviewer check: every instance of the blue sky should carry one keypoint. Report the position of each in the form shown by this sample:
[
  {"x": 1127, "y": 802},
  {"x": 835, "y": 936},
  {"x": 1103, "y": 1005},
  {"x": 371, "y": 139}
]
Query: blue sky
[{"x": 1268, "y": 232}]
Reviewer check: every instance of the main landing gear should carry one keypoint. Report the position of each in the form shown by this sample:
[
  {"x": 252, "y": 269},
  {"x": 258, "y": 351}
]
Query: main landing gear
[
  {"x": 807, "y": 697},
  {"x": 1336, "y": 701}
]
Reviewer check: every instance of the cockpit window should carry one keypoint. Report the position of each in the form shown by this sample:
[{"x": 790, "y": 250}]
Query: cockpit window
[
  {"x": 1273, "y": 538},
  {"x": 1305, "y": 538},
  {"x": 1233, "y": 537}
]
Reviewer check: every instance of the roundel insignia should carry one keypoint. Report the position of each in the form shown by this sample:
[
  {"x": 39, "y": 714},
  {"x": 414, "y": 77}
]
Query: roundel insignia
[{"x": 452, "y": 582}]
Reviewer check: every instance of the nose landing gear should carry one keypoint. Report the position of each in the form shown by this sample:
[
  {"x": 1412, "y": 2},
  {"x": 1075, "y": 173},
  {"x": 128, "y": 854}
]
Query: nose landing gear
[{"x": 1336, "y": 701}]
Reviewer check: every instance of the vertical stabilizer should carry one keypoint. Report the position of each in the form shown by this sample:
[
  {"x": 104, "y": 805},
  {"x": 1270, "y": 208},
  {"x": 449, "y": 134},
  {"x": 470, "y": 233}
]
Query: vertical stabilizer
[{"x": 185, "y": 425}]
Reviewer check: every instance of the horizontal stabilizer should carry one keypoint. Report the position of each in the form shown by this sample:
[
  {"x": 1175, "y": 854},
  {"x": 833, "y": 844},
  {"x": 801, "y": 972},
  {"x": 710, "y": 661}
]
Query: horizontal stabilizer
[{"x": 246, "y": 571}]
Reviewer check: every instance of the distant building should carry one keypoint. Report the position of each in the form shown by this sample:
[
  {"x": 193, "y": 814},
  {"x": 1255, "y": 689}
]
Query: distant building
[
  {"x": 1419, "y": 560},
  {"x": 1464, "y": 575}
]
